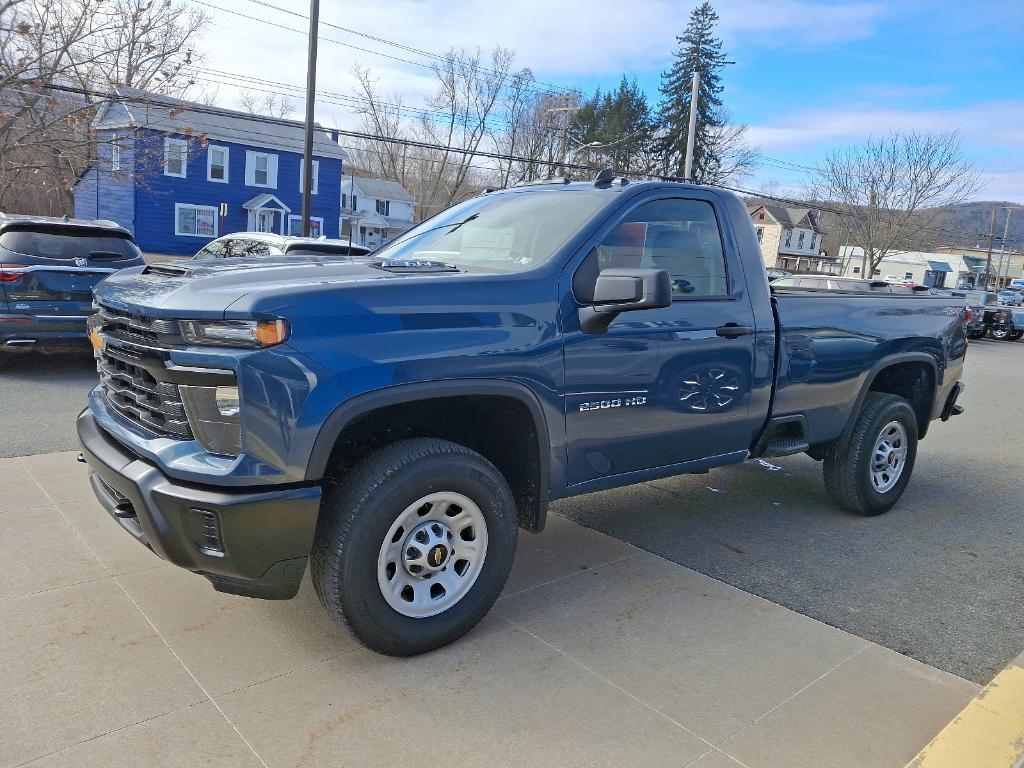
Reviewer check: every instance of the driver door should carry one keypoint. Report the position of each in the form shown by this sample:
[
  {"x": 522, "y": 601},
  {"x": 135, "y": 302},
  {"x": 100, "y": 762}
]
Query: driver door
[{"x": 663, "y": 386}]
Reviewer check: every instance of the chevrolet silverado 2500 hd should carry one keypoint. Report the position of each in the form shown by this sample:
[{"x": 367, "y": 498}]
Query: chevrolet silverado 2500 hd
[{"x": 391, "y": 421}]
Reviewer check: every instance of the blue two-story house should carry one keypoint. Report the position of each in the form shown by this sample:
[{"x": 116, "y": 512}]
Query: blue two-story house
[{"x": 178, "y": 174}]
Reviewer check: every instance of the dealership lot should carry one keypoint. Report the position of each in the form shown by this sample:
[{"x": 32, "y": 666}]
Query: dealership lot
[{"x": 876, "y": 630}]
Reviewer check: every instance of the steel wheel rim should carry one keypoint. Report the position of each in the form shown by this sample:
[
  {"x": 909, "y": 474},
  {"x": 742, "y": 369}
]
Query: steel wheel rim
[
  {"x": 432, "y": 554},
  {"x": 889, "y": 456}
]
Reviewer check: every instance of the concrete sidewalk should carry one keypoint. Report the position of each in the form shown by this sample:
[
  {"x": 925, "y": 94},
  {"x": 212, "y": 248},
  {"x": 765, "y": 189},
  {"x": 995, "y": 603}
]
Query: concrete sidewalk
[{"x": 597, "y": 654}]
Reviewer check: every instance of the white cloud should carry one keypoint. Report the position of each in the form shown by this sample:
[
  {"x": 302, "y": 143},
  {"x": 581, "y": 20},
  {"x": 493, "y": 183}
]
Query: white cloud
[
  {"x": 984, "y": 124},
  {"x": 559, "y": 41}
]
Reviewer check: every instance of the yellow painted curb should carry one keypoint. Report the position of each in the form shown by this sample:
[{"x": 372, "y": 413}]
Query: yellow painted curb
[{"x": 988, "y": 732}]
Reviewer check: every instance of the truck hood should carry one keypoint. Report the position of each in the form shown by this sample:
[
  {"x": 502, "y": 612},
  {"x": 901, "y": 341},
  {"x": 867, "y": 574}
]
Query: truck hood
[{"x": 206, "y": 288}]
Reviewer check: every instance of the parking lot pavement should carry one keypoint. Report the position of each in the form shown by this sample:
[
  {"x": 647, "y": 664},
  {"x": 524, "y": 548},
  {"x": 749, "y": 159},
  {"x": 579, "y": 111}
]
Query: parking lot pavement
[
  {"x": 938, "y": 578},
  {"x": 597, "y": 654},
  {"x": 42, "y": 395}
]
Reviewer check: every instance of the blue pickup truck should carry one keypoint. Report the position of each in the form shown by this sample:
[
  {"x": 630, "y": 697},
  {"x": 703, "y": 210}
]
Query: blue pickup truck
[{"x": 393, "y": 420}]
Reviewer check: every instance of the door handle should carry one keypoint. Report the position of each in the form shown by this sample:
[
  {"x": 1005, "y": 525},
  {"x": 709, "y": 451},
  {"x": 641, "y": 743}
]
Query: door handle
[{"x": 732, "y": 330}]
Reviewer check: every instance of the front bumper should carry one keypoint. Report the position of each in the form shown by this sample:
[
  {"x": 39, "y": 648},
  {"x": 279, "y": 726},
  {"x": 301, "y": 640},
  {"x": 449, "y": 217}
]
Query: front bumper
[{"x": 252, "y": 543}]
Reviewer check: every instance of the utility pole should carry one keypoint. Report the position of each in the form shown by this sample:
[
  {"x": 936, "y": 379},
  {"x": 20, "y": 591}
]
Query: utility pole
[
  {"x": 1002, "y": 246},
  {"x": 991, "y": 235},
  {"x": 307, "y": 154},
  {"x": 691, "y": 133},
  {"x": 563, "y": 142}
]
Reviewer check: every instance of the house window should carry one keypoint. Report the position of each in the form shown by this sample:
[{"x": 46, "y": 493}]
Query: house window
[
  {"x": 175, "y": 155},
  {"x": 908, "y": 275},
  {"x": 355, "y": 202},
  {"x": 384, "y": 207},
  {"x": 195, "y": 220},
  {"x": 316, "y": 226},
  {"x": 316, "y": 176},
  {"x": 344, "y": 200},
  {"x": 856, "y": 270},
  {"x": 800, "y": 244},
  {"x": 115, "y": 153},
  {"x": 261, "y": 169},
  {"x": 760, "y": 234},
  {"x": 217, "y": 164}
]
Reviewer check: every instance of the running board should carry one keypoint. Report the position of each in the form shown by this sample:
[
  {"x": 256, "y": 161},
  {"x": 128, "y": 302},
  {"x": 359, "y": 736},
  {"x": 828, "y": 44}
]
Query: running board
[{"x": 785, "y": 447}]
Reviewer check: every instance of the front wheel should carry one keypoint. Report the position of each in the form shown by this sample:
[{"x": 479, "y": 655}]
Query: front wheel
[
  {"x": 414, "y": 545},
  {"x": 868, "y": 472},
  {"x": 999, "y": 334}
]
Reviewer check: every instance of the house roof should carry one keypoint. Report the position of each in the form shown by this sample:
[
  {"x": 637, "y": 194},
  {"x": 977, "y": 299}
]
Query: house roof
[
  {"x": 789, "y": 217},
  {"x": 141, "y": 109},
  {"x": 379, "y": 189}
]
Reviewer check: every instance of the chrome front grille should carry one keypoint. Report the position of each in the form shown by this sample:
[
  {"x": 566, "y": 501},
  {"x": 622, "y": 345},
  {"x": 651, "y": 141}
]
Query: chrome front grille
[
  {"x": 136, "y": 395},
  {"x": 139, "y": 329}
]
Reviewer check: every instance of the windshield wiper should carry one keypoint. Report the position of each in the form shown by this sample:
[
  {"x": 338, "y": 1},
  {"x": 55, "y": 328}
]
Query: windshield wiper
[{"x": 453, "y": 224}]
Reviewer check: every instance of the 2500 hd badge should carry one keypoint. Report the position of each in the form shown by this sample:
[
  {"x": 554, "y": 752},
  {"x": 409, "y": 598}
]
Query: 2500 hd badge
[{"x": 617, "y": 402}]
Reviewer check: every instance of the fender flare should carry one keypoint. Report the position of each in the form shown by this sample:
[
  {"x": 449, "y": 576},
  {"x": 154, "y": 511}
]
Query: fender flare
[
  {"x": 366, "y": 403},
  {"x": 888, "y": 362}
]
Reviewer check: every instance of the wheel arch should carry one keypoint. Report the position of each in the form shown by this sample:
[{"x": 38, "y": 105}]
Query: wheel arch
[
  {"x": 913, "y": 376},
  {"x": 476, "y": 409}
]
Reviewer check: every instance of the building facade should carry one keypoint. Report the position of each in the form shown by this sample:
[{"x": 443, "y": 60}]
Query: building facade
[
  {"x": 935, "y": 270},
  {"x": 790, "y": 239},
  {"x": 374, "y": 210},
  {"x": 178, "y": 174}
]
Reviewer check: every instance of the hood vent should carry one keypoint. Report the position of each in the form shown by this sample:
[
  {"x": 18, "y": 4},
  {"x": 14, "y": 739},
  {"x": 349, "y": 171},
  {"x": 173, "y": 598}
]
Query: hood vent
[
  {"x": 412, "y": 265},
  {"x": 165, "y": 268}
]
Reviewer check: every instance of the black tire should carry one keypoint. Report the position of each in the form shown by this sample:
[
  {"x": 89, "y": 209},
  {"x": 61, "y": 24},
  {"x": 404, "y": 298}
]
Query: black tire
[
  {"x": 976, "y": 334},
  {"x": 847, "y": 466},
  {"x": 356, "y": 516},
  {"x": 999, "y": 334}
]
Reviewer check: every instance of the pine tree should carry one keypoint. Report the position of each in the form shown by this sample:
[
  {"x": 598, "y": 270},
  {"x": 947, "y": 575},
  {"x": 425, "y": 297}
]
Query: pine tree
[
  {"x": 698, "y": 51},
  {"x": 620, "y": 120}
]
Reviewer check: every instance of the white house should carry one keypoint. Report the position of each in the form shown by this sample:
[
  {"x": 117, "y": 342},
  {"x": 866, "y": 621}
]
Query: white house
[
  {"x": 378, "y": 210},
  {"x": 938, "y": 270}
]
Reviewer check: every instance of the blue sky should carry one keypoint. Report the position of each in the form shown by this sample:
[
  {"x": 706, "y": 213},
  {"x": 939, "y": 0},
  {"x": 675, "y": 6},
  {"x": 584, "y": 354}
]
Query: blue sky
[{"x": 809, "y": 76}]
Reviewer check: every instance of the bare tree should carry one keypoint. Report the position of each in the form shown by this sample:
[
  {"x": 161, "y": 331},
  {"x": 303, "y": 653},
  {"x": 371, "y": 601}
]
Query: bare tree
[
  {"x": 888, "y": 191},
  {"x": 730, "y": 155},
  {"x": 85, "y": 45},
  {"x": 271, "y": 104}
]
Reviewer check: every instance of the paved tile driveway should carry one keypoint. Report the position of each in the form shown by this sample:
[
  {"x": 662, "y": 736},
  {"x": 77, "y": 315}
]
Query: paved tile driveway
[{"x": 597, "y": 654}]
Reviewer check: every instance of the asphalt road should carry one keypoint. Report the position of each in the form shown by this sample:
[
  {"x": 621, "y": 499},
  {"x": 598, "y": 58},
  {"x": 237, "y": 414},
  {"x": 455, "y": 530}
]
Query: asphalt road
[
  {"x": 40, "y": 397},
  {"x": 938, "y": 578}
]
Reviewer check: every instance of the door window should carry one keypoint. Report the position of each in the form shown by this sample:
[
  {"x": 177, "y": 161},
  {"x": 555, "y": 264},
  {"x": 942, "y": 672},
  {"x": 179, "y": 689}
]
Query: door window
[{"x": 680, "y": 236}]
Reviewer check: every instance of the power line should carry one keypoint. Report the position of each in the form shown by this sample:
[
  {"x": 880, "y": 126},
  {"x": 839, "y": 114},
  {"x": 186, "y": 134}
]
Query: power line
[
  {"x": 326, "y": 39},
  {"x": 413, "y": 143},
  {"x": 556, "y": 90}
]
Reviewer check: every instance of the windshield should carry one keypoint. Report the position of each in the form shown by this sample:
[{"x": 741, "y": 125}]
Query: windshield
[{"x": 504, "y": 233}]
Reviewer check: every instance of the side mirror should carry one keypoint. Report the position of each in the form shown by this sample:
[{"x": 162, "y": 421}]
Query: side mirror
[{"x": 625, "y": 290}]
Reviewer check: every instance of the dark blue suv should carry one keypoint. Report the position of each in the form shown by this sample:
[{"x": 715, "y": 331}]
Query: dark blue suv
[{"x": 48, "y": 268}]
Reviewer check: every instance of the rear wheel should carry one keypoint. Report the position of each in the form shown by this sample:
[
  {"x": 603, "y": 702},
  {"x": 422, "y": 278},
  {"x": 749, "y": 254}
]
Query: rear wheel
[
  {"x": 868, "y": 472},
  {"x": 414, "y": 545}
]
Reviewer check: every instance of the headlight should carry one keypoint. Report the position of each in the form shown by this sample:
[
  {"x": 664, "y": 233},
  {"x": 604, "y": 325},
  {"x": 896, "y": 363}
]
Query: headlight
[
  {"x": 235, "y": 333},
  {"x": 213, "y": 414}
]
